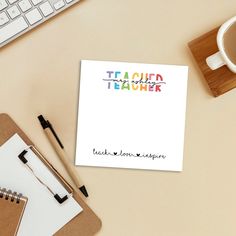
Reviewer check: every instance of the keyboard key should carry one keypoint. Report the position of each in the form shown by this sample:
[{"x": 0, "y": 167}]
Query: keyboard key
[
  {"x": 36, "y": 2},
  {"x": 3, "y": 4},
  {"x": 46, "y": 9},
  {"x": 25, "y": 5},
  {"x": 33, "y": 16},
  {"x": 3, "y": 18},
  {"x": 69, "y": 1},
  {"x": 13, "y": 12},
  {"x": 12, "y": 29},
  {"x": 59, "y": 4},
  {"x": 12, "y": 1}
]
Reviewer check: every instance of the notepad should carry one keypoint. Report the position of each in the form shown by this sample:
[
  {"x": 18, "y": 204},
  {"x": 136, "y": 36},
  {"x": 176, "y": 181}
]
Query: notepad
[
  {"x": 131, "y": 115},
  {"x": 12, "y": 207},
  {"x": 43, "y": 214}
]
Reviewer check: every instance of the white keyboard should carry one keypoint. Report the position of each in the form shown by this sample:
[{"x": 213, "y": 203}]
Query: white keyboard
[{"x": 19, "y": 16}]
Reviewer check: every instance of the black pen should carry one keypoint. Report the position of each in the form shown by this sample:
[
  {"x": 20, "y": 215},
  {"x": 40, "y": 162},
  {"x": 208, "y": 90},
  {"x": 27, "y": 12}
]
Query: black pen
[{"x": 59, "y": 149}]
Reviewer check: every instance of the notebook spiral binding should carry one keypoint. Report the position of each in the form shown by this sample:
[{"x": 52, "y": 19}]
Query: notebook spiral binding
[{"x": 10, "y": 196}]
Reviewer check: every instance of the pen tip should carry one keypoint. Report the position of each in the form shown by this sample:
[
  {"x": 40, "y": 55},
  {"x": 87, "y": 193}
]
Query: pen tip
[{"x": 84, "y": 191}]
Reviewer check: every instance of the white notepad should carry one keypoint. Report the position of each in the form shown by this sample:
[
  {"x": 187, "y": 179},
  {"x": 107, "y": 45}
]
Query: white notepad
[
  {"x": 131, "y": 115},
  {"x": 43, "y": 215}
]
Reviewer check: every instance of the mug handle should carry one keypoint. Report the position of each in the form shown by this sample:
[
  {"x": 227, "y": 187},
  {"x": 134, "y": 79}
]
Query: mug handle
[{"x": 215, "y": 61}]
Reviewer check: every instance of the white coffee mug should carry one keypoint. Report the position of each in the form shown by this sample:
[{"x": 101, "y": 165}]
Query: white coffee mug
[{"x": 220, "y": 58}]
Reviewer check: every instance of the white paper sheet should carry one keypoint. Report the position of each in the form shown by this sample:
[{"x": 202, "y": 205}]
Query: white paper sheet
[
  {"x": 131, "y": 115},
  {"x": 43, "y": 214}
]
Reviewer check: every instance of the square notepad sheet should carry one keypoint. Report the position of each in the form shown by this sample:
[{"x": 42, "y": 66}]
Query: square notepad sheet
[
  {"x": 43, "y": 215},
  {"x": 131, "y": 115}
]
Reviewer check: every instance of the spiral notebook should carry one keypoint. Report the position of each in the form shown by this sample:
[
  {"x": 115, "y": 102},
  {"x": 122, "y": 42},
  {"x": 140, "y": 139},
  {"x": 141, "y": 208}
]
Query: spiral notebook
[{"x": 12, "y": 206}]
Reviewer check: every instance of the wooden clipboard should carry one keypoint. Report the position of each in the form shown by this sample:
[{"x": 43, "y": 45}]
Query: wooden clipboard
[{"x": 86, "y": 223}]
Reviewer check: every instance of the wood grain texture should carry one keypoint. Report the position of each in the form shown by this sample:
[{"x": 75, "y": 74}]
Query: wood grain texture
[
  {"x": 86, "y": 223},
  {"x": 221, "y": 80}
]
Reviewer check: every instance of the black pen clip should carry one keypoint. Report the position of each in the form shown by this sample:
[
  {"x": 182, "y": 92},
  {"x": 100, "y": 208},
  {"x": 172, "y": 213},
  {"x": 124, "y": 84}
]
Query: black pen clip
[
  {"x": 46, "y": 124},
  {"x": 55, "y": 135}
]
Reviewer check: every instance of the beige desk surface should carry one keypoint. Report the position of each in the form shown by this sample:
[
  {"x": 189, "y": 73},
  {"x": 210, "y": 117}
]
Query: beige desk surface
[{"x": 39, "y": 74}]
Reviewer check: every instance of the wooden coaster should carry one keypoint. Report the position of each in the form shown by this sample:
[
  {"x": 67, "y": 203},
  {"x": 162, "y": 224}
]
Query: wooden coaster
[{"x": 221, "y": 80}]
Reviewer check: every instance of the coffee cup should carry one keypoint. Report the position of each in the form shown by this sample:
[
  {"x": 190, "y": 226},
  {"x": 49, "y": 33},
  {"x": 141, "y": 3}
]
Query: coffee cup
[{"x": 226, "y": 42}]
